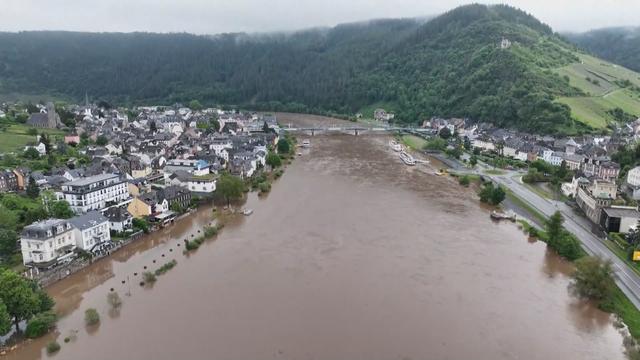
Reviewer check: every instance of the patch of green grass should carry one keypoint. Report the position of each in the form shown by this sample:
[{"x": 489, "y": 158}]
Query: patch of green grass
[
  {"x": 16, "y": 137},
  {"x": 603, "y": 96},
  {"x": 622, "y": 255},
  {"x": 414, "y": 142},
  {"x": 494, "y": 172},
  {"x": 621, "y": 305},
  {"x": 538, "y": 216}
]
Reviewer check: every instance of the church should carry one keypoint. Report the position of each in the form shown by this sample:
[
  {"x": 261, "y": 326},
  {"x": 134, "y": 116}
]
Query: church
[{"x": 46, "y": 118}]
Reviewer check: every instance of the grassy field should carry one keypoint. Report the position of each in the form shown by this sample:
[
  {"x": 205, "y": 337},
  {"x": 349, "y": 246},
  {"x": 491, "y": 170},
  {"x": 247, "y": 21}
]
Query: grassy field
[
  {"x": 414, "y": 142},
  {"x": 15, "y": 137},
  {"x": 604, "y": 95}
]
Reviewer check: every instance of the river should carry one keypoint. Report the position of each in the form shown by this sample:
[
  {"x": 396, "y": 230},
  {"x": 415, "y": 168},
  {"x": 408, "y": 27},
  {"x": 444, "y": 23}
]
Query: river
[{"x": 351, "y": 256}]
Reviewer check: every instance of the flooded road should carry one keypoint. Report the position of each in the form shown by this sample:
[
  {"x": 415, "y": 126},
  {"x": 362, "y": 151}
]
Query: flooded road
[{"x": 351, "y": 256}]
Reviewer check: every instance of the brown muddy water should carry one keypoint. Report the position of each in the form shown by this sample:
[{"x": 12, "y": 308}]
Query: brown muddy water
[{"x": 351, "y": 256}]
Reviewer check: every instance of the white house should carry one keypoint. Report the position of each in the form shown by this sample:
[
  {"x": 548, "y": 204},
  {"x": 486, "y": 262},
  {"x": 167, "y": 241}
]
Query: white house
[
  {"x": 552, "y": 157},
  {"x": 42, "y": 150},
  {"x": 95, "y": 192},
  {"x": 45, "y": 243},
  {"x": 633, "y": 177},
  {"x": 119, "y": 219},
  {"x": 90, "y": 230}
]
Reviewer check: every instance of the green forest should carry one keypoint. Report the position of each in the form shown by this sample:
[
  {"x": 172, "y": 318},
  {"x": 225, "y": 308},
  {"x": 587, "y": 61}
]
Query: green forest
[{"x": 449, "y": 66}]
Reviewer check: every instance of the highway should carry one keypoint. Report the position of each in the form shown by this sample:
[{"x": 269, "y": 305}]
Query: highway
[{"x": 626, "y": 278}]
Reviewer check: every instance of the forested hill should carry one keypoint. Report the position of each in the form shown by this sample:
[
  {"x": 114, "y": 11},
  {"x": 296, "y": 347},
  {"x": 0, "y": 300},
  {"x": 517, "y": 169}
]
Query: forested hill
[
  {"x": 452, "y": 65},
  {"x": 619, "y": 45}
]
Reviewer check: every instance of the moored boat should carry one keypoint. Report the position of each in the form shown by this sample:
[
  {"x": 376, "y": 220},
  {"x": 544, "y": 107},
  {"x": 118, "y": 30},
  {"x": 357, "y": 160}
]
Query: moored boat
[
  {"x": 407, "y": 158},
  {"x": 395, "y": 146},
  {"x": 499, "y": 215}
]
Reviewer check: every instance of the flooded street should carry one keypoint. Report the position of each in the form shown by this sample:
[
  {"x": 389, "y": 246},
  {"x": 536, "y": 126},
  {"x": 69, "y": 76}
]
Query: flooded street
[{"x": 351, "y": 256}]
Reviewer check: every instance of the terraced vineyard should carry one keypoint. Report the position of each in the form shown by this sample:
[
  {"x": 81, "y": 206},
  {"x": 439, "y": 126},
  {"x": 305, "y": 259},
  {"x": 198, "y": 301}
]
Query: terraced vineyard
[{"x": 607, "y": 87}]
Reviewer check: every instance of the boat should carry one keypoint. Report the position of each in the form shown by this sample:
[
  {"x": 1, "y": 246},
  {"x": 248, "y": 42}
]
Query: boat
[
  {"x": 499, "y": 215},
  {"x": 407, "y": 158},
  {"x": 395, "y": 146},
  {"x": 306, "y": 143},
  {"x": 247, "y": 212}
]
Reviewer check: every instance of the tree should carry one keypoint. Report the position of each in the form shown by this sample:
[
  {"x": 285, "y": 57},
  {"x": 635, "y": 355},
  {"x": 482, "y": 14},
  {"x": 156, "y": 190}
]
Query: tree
[
  {"x": 473, "y": 161},
  {"x": 33, "y": 190},
  {"x": 554, "y": 229},
  {"x": 18, "y": 296},
  {"x": 283, "y": 146},
  {"x": 467, "y": 143},
  {"x": 195, "y": 105},
  {"x": 215, "y": 124},
  {"x": 31, "y": 153},
  {"x": 230, "y": 187},
  {"x": 60, "y": 210},
  {"x": 273, "y": 160},
  {"x": 5, "y": 319},
  {"x": 445, "y": 133},
  {"x": 493, "y": 195},
  {"x": 153, "y": 127},
  {"x": 102, "y": 140},
  {"x": 44, "y": 139},
  {"x": 176, "y": 207},
  {"x": 91, "y": 317},
  {"x": 265, "y": 127},
  {"x": 593, "y": 278},
  {"x": 32, "y": 131},
  {"x": 8, "y": 242}
]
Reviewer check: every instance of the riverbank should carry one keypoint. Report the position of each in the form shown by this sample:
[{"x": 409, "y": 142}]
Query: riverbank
[{"x": 347, "y": 242}]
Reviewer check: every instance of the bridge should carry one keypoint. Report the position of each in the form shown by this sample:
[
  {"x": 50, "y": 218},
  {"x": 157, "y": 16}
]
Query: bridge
[{"x": 357, "y": 130}]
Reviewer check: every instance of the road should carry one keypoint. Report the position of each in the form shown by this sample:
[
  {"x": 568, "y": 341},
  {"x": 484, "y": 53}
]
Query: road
[{"x": 626, "y": 278}]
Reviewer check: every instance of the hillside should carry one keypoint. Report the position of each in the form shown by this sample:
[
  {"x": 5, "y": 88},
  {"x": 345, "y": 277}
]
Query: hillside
[
  {"x": 612, "y": 92},
  {"x": 451, "y": 65},
  {"x": 618, "y": 45}
]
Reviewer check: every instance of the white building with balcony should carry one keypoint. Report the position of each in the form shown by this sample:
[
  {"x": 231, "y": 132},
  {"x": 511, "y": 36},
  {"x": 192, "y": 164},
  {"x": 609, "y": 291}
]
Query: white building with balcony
[
  {"x": 45, "y": 243},
  {"x": 96, "y": 192},
  {"x": 90, "y": 230}
]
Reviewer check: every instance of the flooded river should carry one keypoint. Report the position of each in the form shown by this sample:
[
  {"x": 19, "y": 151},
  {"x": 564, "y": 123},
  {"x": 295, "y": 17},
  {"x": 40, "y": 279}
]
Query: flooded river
[{"x": 351, "y": 256}]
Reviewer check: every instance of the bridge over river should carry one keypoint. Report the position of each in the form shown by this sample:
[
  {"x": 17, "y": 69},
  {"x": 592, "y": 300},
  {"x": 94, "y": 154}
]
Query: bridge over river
[{"x": 358, "y": 130}]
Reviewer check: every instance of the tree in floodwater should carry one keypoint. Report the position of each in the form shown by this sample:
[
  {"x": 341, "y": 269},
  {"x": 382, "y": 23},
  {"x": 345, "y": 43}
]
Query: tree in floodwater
[
  {"x": 593, "y": 278},
  {"x": 554, "y": 229},
  {"x": 230, "y": 188},
  {"x": 19, "y": 297}
]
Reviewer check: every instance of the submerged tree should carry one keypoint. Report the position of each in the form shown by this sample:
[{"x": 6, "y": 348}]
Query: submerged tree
[{"x": 230, "y": 187}]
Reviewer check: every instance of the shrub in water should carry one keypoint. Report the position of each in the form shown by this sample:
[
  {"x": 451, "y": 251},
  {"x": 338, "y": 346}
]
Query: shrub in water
[
  {"x": 166, "y": 267},
  {"x": 40, "y": 324},
  {"x": 114, "y": 300},
  {"x": 53, "y": 347},
  {"x": 91, "y": 317},
  {"x": 148, "y": 277}
]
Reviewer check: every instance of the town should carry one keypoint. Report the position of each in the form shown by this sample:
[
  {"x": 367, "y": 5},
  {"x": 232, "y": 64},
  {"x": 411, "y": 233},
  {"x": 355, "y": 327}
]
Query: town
[
  {"x": 115, "y": 174},
  {"x": 597, "y": 174}
]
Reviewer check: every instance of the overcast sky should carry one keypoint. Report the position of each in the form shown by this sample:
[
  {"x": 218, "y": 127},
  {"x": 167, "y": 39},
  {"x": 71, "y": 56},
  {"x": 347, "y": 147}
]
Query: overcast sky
[{"x": 216, "y": 16}]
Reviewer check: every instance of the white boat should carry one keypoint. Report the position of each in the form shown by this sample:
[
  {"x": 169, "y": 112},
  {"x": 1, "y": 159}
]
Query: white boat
[
  {"x": 247, "y": 212},
  {"x": 395, "y": 146},
  {"x": 306, "y": 143},
  {"x": 499, "y": 215},
  {"x": 407, "y": 158}
]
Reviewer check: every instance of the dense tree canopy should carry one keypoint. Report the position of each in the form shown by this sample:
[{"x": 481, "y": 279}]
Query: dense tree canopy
[{"x": 449, "y": 66}]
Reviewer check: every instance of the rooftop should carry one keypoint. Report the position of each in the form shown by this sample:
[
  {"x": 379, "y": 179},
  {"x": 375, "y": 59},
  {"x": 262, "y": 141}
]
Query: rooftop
[{"x": 91, "y": 179}]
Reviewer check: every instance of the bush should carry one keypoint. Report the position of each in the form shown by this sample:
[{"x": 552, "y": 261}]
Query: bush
[
  {"x": 114, "y": 300},
  {"x": 166, "y": 267},
  {"x": 40, "y": 324},
  {"x": 464, "y": 181},
  {"x": 149, "y": 277},
  {"x": 53, "y": 347},
  {"x": 210, "y": 231},
  {"x": 264, "y": 187},
  {"x": 493, "y": 195},
  {"x": 91, "y": 317}
]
